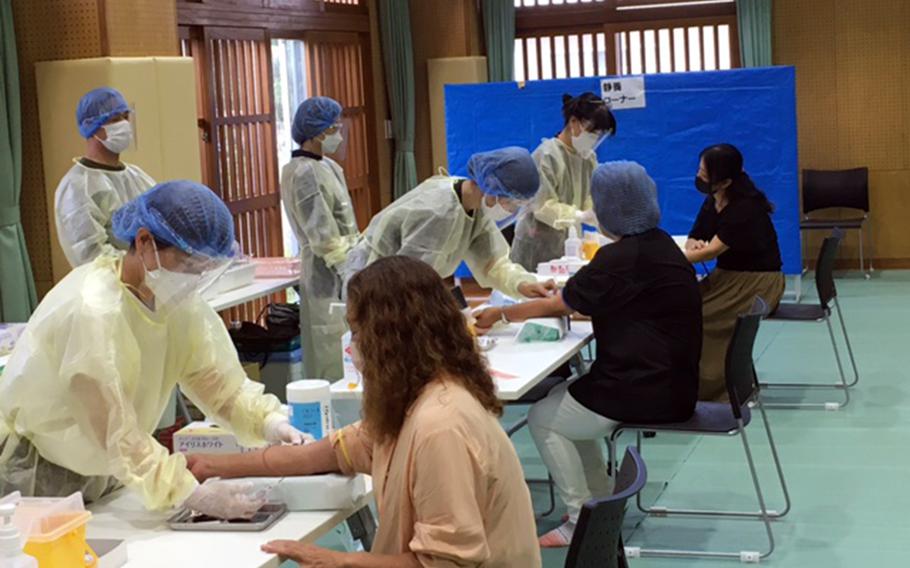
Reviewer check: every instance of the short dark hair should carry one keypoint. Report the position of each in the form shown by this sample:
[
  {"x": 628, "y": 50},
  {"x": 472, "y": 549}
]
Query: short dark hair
[{"x": 589, "y": 108}]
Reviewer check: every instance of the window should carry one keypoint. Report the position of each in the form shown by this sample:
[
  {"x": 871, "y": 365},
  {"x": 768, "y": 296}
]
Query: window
[
  {"x": 653, "y": 48},
  {"x": 566, "y": 38},
  {"x": 290, "y": 85}
]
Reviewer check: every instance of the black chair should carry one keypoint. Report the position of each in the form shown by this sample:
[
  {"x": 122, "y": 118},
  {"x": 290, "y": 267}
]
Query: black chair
[
  {"x": 820, "y": 312},
  {"x": 723, "y": 419},
  {"x": 824, "y": 189},
  {"x": 597, "y": 540}
]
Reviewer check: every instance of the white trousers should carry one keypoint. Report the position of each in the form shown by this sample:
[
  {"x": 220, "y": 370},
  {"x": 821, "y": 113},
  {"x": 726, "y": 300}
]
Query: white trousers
[{"x": 569, "y": 438}]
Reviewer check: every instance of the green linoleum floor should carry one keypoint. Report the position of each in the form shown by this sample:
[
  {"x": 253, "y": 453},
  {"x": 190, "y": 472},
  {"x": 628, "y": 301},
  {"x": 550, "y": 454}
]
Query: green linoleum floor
[{"x": 847, "y": 470}]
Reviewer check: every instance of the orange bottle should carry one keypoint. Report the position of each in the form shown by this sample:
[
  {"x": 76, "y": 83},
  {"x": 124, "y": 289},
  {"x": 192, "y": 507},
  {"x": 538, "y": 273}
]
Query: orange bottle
[{"x": 590, "y": 246}]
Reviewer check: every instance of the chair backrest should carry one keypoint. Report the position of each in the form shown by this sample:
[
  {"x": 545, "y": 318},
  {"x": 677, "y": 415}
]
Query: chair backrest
[
  {"x": 835, "y": 188},
  {"x": 824, "y": 268},
  {"x": 740, "y": 371},
  {"x": 597, "y": 540}
]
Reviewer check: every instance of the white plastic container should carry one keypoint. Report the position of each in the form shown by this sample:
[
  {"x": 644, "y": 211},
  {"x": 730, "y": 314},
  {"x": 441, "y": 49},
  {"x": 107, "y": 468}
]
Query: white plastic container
[
  {"x": 328, "y": 492},
  {"x": 573, "y": 244},
  {"x": 240, "y": 274},
  {"x": 310, "y": 407},
  {"x": 11, "y": 554}
]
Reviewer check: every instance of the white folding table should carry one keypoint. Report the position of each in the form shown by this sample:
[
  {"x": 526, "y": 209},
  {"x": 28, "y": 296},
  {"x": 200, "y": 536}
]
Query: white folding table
[
  {"x": 517, "y": 367},
  {"x": 151, "y": 544}
]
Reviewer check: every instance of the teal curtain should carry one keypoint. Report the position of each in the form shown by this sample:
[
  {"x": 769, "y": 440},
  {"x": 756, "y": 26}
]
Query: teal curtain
[
  {"x": 754, "y": 20},
  {"x": 398, "y": 56},
  {"x": 17, "y": 286},
  {"x": 499, "y": 32}
]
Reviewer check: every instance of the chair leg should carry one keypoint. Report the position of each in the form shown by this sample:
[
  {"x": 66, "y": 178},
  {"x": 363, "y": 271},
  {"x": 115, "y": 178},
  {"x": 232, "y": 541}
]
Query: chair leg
[
  {"x": 742, "y": 556},
  {"x": 664, "y": 512},
  {"x": 871, "y": 246},
  {"x": 862, "y": 263},
  {"x": 842, "y": 385},
  {"x": 840, "y": 365},
  {"x": 777, "y": 465},
  {"x": 766, "y": 519},
  {"x": 843, "y": 327}
]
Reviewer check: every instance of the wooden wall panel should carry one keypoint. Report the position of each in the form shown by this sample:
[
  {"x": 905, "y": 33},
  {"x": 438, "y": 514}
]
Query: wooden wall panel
[
  {"x": 811, "y": 49},
  {"x": 871, "y": 45},
  {"x": 439, "y": 28},
  {"x": 140, "y": 27},
  {"x": 852, "y": 63}
]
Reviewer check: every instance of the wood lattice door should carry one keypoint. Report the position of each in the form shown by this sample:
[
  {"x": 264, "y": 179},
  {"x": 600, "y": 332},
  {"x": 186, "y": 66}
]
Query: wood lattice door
[{"x": 236, "y": 110}]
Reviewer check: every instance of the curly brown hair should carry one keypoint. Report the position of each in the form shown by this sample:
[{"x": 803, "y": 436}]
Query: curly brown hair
[{"x": 409, "y": 332}]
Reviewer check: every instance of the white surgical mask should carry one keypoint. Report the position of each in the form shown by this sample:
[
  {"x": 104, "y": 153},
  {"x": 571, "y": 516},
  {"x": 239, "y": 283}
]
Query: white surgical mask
[
  {"x": 168, "y": 286},
  {"x": 119, "y": 136},
  {"x": 496, "y": 212},
  {"x": 585, "y": 143},
  {"x": 356, "y": 357},
  {"x": 331, "y": 142}
]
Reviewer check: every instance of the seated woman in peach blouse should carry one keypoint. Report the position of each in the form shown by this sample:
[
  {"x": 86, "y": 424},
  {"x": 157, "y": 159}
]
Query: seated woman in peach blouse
[{"x": 449, "y": 487}]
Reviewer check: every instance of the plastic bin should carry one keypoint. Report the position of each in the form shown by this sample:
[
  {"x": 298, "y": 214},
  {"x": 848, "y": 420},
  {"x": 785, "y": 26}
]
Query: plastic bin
[
  {"x": 281, "y": 368},
  {"x": 277, "y": 267},
  {"x": 54, "y": 529}
]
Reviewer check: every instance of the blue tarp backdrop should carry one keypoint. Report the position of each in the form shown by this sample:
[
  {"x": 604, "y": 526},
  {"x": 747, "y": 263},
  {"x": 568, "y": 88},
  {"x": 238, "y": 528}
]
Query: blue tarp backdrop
[{"x": 753, "y": 109}]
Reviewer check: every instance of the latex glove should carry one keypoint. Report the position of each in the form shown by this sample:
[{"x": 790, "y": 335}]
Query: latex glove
[
  {"x": 280, "y": 431},
  {"x": 587, "y": 217},
  {"x": 225, "y": 500}
]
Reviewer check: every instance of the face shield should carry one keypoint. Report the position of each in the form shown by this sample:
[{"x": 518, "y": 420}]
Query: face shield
[
  {"x": 587, "y": 141},
  {"x": 334, "y": 141},
  {"x": 177, "y": 276},
  {"x": 505, "y": 211}
]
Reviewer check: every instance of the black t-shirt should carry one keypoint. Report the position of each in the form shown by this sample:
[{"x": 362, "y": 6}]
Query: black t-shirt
[
  {"x": 645, "y": 306},
  {"x": 745, "y": 226}
]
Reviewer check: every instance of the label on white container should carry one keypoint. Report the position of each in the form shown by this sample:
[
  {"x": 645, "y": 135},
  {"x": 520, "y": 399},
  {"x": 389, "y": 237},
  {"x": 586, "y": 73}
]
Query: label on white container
[{"x": 310, "y": 407}]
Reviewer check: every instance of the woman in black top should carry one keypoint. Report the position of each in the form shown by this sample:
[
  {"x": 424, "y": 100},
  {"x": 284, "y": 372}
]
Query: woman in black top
[
  {"x": 734, "y": 226},
  {"x": 645, "y": 308}
]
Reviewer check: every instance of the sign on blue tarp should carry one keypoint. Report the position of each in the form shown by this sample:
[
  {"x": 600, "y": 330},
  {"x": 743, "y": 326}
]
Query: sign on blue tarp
[{"x": 753, "y": 109}]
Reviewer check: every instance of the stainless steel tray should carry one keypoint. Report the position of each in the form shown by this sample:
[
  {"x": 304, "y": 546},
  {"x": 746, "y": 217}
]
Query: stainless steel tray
[{"x": 268, "y": 515}]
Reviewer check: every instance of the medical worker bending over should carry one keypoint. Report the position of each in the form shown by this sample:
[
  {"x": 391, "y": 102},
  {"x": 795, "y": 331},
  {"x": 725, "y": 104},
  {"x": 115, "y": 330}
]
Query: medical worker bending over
[
  {"x": 90, "y": 378},
  {"x": 446, "y": 220},
  {"x": 566, "y": 163},
  {"x": 449, "y": 488},
  {"x": 98, "y": 183},
  {"x": 318, "y": 204}
]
